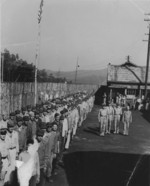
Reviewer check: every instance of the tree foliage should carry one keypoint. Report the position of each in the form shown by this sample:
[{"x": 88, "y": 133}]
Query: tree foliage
[{"x": 18, "y": 70}]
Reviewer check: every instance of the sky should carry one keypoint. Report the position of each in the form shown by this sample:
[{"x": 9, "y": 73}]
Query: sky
[{"x": 97, "y": 32}]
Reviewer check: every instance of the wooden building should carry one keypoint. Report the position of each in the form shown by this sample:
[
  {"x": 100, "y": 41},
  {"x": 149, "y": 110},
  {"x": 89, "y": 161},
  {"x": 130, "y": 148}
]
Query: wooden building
[{"x": 127, "y": 79}]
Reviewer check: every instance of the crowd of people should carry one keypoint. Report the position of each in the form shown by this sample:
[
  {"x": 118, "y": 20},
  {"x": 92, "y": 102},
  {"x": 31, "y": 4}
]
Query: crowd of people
[
  {"x": 141, "y": 104},
  {"x": 33, "y": 140},
  {"x": 110, "y": 117}
]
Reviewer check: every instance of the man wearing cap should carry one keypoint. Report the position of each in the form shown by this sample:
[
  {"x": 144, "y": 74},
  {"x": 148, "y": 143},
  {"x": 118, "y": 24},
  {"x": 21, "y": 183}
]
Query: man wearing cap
[
  {"x": 102, "y": 118},
  {"x": 26, "y": 123},
  {"x": 70, "y": 128},
  {"x": 50, "y": 114},
  {"x": 17, "y": 113},
  {"x": 43, "y": 128},
  {"x": 46, "y": 117},
  {"x": 22, "y": 133},
  {"x": 85, "y": 109},
  {"x": 12, "y": 141},
  {"x": 81, "y": 114},
  {"x": 110, "y": 117},
  {"x": 4, "y": 156},
  {"x": 24, "y": 112},
  {"x": 57, "y": 142},
  {"x": 29, "y": 109},
  {"x": 63, "y": 137},
  {"x": 41, "y": 116},
  {"x": 3, "y": 122},
  {"x": 12, "y": 118},
  {"x": 43, "y": 157},
  {"x": 91, "y": 103},
  {"x": 37, "y": 120},
  {"x": 117, "y": 117},
  {"x": 32, "y": 126},
  {"x": 76, "y": 120},
  {"x": 48, "y": 127},
  {"x": 65, "y": 127},
  {"x": 50, "y": 138},
  {"x": 56, "y": 118},
  {"x": 127, "y": 119},
  {"x": 26, "y": 156}
]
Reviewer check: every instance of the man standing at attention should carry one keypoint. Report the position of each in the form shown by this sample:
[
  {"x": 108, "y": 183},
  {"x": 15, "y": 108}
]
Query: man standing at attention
[
  {"x": 110, "y": 117},
  {"x": 102, "y": 118},
  {"x": 127, "y": 119},
  {"x": 117, "y": 117}
]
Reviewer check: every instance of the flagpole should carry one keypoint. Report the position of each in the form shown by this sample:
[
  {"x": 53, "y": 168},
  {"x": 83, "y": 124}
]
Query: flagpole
[
  {"x": 37, "y": 51},
  {"x": 36, "y": 64}
]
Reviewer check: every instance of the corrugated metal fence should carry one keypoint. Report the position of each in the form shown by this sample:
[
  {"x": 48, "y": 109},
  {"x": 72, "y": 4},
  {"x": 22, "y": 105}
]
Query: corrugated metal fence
[{"x": 16, "y": 95}]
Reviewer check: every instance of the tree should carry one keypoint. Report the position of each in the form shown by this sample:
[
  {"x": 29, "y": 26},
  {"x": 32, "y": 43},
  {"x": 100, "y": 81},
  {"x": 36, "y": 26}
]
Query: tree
[{"x": 18, "y": 70}]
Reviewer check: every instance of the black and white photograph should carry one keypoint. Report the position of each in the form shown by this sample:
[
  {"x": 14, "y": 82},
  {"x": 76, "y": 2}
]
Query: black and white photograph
[{"x": 75, "y": 93}]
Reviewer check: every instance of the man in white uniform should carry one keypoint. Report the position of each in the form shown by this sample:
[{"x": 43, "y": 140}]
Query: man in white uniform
[
  {"x": 110, "y": 117},
  {"x": 127, "y": 119},
  {"x": 102, "y": 118},
  {"x": 117, "y": 117},
  {"x": 5, "y": 156}
]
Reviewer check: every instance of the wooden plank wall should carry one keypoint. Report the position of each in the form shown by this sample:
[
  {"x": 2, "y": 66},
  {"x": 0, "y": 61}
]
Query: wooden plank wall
[{"x": 17, "y": 95}]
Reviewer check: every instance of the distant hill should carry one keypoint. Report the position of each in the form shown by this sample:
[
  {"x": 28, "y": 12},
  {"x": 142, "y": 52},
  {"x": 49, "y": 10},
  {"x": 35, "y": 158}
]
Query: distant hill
[{"x": 83, "y": 76}]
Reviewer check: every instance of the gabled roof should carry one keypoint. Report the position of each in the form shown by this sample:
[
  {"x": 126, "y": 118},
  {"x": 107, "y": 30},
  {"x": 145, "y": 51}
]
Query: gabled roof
[
  {"x": 128, "y": 73},
  {"x": 128, "y": 63}
]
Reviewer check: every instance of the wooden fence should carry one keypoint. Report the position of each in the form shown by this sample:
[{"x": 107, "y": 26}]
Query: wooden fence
[{"x": 16, "y": 95}]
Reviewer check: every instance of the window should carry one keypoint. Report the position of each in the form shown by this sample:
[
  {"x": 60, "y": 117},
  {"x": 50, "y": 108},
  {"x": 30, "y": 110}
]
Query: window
[{"x": 131, "y": 92}]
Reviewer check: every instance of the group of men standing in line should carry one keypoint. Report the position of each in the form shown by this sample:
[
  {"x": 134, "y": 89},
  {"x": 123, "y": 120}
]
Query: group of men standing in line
[
  {"x": 38, "y": 136},
  {"x": 110, "y": 116}
]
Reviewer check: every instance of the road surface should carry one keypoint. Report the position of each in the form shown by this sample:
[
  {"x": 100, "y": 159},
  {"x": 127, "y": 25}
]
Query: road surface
[{"x": 113, "y": 160}]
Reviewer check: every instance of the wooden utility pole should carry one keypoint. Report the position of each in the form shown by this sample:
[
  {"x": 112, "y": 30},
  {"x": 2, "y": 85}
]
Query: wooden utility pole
[
  {"x": 2, "y": 68},
  {"x": 1, "y": 84},
  {"x": 77, "y": 65},
  {"x": 36, "y": 66},
  {"x": 38, "y": 49},
  {"x": 148, "y": 57}
]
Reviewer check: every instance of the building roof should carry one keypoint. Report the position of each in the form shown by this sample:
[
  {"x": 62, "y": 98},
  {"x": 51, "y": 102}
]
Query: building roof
[{"x": 127, "y": 73}]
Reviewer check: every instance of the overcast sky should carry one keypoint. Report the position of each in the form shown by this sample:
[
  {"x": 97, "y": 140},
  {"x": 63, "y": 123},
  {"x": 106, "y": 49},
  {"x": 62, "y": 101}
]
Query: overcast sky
[{"x": 98, "y": 31}]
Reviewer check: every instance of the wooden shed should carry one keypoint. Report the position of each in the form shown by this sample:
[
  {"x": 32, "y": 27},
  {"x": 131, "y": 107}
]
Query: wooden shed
[{"x": 127, "y": 79}]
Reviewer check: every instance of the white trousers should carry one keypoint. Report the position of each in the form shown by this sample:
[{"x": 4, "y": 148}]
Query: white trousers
[{"x": 68, "y": 139}]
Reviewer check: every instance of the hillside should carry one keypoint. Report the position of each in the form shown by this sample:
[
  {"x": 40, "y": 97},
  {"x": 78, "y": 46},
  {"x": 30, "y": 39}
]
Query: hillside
[{"x": 83, "y": 76}]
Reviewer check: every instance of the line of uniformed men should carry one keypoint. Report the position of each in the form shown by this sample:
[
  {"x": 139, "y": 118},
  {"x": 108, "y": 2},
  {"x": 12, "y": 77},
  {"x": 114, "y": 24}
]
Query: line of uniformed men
[
  {"x": 109, "y": 118},
  {"x": 53, "y": 125}
]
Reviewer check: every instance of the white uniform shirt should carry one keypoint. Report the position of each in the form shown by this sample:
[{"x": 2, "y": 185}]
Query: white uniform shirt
[
  {"x": 103, "y": 112},
  {"x": 46, "y": 119},
  {"x": 12, "y": 140},
  {"x": 64, "y": 127},
  {"x": 3, "y": 124},
  {"x": 46, "y": 97},
  {"x": 3, "y": 148},
  {"x": 118, "y": 111},
  {"x": 110, "y": 111}
]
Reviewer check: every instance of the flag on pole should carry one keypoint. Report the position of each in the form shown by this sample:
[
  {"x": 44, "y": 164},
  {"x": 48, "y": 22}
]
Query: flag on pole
[{"x": 40, "y": 11}]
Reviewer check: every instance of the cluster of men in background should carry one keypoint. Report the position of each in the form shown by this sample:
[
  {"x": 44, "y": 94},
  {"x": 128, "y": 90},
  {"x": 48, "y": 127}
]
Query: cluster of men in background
[
  {"x": 140, "y": 103},
  {"x": 110, "y": 116},
  {"x": 52, "y": 126},
  {"x": 119, "y": 99}
]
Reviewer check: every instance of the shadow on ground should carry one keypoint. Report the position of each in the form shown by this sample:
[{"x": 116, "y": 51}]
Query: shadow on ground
[
  {"x": 106, "y": 169},
  {"x": 93, "y": 130},
  {"x": 146, "y": 115}
]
